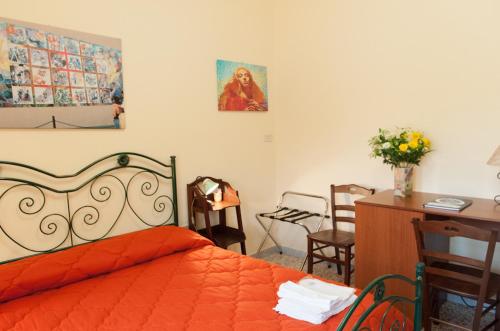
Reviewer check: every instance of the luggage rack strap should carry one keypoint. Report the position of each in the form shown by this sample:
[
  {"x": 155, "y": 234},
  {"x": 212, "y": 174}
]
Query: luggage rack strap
[
  {"x": 273, "y": 213},
  {"x": 291, "y": 215}
]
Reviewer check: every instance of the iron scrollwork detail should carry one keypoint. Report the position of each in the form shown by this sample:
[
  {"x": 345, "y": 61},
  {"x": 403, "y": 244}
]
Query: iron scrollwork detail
[
  {"x": 53, "y": 225},
  {"x": 94, "y": 219},
  {"x": 386, "y": 305},
  {"x": 149, "y": 188},
  {"x": 89, "y": 216}
]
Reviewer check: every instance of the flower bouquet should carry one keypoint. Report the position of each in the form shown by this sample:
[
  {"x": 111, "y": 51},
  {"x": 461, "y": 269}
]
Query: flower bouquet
[{"x": 402, "y": 149}]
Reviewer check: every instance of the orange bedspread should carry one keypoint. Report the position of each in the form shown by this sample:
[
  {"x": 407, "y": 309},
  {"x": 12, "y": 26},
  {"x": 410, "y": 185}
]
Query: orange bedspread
[{"x": 165, "y": 278}]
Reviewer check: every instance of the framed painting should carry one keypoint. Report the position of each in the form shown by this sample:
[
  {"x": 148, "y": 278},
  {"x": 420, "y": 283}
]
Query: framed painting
[
  {"x": 57, "y": 78},
  {"x": 241, "y": 86}
]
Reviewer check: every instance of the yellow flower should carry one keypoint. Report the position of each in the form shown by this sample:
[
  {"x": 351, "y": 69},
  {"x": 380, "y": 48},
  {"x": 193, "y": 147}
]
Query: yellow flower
[
  {"x": 416, "y": 135},
  {"x": 403, "y": 147},
  {"x": 426, "y": 142},
  {"x": 413, "y": 144}
]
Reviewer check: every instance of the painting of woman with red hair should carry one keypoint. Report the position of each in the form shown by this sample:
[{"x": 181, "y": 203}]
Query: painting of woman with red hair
[{"x": 238, "y": 86}]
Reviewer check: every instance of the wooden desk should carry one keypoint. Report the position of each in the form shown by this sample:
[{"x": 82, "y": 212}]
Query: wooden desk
[{"x": 384, "y": 239}]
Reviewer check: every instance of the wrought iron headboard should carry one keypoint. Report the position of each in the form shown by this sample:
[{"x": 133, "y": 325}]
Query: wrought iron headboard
[
  {"x": 123, "y": 178},
  {"x": 377, "y": 287}
]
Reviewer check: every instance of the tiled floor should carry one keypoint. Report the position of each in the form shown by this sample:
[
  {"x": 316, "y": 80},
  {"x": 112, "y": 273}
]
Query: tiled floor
[{"x": 453, "y": 312}]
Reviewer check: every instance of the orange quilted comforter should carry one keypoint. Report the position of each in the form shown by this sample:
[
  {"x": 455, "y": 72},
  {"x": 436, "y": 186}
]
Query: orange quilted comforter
[{"x": 165, "y": 278}]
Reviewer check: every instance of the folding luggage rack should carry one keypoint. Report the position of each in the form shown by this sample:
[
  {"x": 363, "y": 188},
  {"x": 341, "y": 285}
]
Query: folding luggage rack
[{"x": 291, "y": 215}]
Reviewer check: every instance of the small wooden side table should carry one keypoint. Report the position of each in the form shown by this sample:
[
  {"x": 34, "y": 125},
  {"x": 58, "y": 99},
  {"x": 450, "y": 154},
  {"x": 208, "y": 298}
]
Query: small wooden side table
[{"x": 221, "y": 234}]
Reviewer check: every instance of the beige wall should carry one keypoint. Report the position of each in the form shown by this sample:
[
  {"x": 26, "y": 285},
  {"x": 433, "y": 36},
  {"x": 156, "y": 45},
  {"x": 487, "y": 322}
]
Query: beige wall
[
  {"x": 338, "y": 70},
  {"x": 345, "y": 68},
  {"x": 169, "y": 54}
]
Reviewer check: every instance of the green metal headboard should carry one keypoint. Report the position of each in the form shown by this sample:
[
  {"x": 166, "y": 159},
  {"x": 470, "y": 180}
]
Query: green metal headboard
[
  {"x": 377, "y": 287},
  {"x": 145, "y": 176}
]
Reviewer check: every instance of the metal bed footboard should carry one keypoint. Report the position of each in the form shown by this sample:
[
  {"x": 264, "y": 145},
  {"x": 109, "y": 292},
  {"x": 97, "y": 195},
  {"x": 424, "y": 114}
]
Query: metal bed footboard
[{"x": 377, "y": 289}]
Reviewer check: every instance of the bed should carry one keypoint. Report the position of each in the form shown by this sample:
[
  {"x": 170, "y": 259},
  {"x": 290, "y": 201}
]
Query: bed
[{"x": 78, "y": 266}]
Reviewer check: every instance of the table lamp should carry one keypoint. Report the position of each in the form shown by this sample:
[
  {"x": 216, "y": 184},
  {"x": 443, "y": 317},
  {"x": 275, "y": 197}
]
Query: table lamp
[{"x": 495, "y": 161}]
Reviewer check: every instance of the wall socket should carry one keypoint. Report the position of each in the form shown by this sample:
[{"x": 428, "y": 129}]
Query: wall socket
[{"x": 268, "y": 138}]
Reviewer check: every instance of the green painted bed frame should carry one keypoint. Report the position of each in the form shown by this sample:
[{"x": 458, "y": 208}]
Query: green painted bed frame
[
  {"x": 377, "y": 288},
  {"x": 102, "y": 179}
]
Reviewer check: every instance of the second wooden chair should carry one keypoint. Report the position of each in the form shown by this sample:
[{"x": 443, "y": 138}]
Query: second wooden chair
[
  {"x": 340, "y": 241},
  {"x": 456, "y": 274}
]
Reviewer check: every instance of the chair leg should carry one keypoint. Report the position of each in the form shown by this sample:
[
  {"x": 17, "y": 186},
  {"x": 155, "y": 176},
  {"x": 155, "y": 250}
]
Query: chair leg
[
  {"x": 427, "y": 309},
  {"x": 309, "y": 255},
  {"x": 240, "y": 227},
  {"x": 477, "y": 314},
  {"x": 337, "y": 256},
  {"x": 243, "y": 248},
  {"x": 347, "y": 269},
  {"x": 208, "y": 226},
  {"x": 497, "y": 313},
  {"x": 222, "y": 218},
  {"x": 437, "y": 299}
]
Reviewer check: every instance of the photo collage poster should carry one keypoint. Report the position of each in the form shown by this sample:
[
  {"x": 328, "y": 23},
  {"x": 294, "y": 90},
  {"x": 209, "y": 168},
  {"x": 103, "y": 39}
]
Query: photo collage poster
[{"x": 41, "y": 69}]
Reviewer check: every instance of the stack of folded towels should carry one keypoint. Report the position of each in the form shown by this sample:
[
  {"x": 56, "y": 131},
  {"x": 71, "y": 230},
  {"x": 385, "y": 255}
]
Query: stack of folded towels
[{"x": 313, "y": 300}]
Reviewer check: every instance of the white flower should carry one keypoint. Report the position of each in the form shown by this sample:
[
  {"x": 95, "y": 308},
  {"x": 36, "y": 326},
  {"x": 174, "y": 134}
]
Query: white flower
[{"x": 386, "y": 145}]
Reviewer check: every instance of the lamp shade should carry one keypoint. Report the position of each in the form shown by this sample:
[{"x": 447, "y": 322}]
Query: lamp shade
[
  {"x": 208, "y": 186},
  {"x": 495, "y": 158}
]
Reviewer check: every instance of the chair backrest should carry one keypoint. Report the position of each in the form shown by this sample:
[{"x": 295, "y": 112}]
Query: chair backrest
[
  {"x": 351, "y": 190},
  {"x": 453, "y": 229}
]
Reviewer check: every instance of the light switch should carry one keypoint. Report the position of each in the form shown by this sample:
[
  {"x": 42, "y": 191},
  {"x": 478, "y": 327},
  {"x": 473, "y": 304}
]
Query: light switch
[{"x": 268, "y": 138}]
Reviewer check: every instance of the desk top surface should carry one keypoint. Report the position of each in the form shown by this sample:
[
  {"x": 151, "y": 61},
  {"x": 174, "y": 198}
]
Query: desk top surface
[{"x": 481, "y": 209}]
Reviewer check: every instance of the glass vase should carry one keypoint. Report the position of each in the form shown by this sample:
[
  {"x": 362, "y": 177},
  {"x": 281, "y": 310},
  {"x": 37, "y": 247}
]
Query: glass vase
[{"x": 403, "y": 181}]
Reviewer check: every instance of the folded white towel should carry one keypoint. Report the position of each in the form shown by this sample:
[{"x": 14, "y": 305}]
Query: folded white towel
[
  {"x": 315, "y": 292},
  {"x": 292, "y": 290},
  {"x": 342, "y": 292},
  {"x": 299, "y": 310},
  {"x": 313, "y": 300},
  {"x": 337, "y": 307}
]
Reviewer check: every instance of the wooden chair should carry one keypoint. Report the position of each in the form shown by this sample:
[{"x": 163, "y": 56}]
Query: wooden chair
[
  {"x": 456, "y": 274},
  {"x": 221, "y": 234},
  {"x": 341, "y": 241}
]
